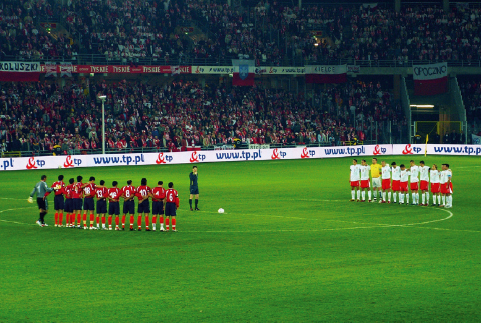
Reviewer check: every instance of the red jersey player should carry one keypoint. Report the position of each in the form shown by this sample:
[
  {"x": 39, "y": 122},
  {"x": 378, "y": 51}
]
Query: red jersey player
[
  {"x": 101, "y": 194},
  {"x": 69, "y": 214},
  {"x": 158, "y": 196},
  {"x": 58, "y": 201},
  {"x": 77, "y": 199},
  {"x": 89, "y": 194},
  {"x": 128, "y": 193},
  {"x": 143, "y": 193},
  {"x": 171, "y": 205},
  {"x": 114, "y": 195}
]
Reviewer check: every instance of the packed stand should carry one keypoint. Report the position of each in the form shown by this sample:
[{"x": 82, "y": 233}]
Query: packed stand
[
  {"x": 22, "y": 37},
  {"x": 43, "y": 117}
]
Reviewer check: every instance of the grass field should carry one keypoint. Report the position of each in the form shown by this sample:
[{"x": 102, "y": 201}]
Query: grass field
[{"x": 289, "y": 248}]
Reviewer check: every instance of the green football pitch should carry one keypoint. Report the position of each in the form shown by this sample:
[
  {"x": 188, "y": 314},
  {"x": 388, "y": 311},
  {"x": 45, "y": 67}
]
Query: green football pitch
[{"x": 290, "y": 247}]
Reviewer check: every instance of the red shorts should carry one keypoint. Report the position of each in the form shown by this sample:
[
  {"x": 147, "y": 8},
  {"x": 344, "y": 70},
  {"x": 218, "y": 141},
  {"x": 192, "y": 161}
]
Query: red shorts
[
  {"x": 435, "y": 187},
  {"x": 365, "y": 184},
  {"x": 424, "y": 185},
  {"x": 386, "y": 184},
  {"x": 403, "y": 186},
  {"x": 445, "y": 189},
  {"x": 414, "y": 185},
  {"x": 396, "y": 185},
  {"x": 354, "y": 183}
]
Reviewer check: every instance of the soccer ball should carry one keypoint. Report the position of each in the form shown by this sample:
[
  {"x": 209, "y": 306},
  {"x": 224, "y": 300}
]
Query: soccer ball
[
  {"x": 59, "y": 166},
  {"x": 221, "y": 210}
]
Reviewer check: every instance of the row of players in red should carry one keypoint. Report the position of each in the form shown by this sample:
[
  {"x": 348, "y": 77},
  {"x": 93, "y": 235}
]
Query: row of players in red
[{"x": 90, "y": 192}]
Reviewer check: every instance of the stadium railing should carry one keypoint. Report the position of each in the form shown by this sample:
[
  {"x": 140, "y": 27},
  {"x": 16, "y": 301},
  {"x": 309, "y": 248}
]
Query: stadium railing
[{"x": 99, "y": 59}]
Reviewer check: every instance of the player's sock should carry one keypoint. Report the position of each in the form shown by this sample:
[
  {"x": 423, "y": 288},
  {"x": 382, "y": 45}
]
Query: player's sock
[
  {"x": 84, "y": 218},
  {"x": 389, "y": 196},
  {"x": 92, "y": 218},
  {"x": 123, "y": 221},
  {"x": 407, "y": 198},
  {"x": 60, "y": 220},
  {"x": 444, "y": 200},
  {"x": 110, "y": 222},
  {"x": 423, "y": 198},
  {"x": 154, "y": 222},
  {"x": 103, "y": 221},
  {"x": 196, "y": 203},
  {"x": 98, "y": 220},
  {"x": 139, "y": 221},
  {"x": 147, "y": 223},
  {"x": 79, "y": 219},
  {"x": 375, "y": 192},
  {"x": 56, "y": 218},
  {"x": 161, "y": 221},
  {"x": 353, "y": 194},
  {"x": 394, "y": 197},
  {"x": 417, "y": 197},
  {"x": 173, "y": 224},
  {"x": 414, "y": 197},
  {"x": 359, "y": 195},
  {"x": 42, "y": 217},
  {"x": 384, "y": 196},
  {"x": 439, "y": 199},
  {"x": 363, "y": 195},
  {"x": 167, "y": 223},
  {"x": 369, "y": 194},
  {"x": 401, "y": 198},
  {"x": 450, "y": 201},
  {"x": 131, "y": 221},
  {"x": 190, "y": 203},
  {"x": 117, "y": 221}
]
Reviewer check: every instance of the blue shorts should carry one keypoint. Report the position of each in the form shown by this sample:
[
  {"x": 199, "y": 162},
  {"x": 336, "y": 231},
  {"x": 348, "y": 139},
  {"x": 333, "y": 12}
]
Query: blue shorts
[
  {"x": 194, "y": 190},
  {"x": 157, "y": 208},
  {"x": 58, "y": 203},
  {"x": 89, "y": 203},
  {"x": 77, "y": 203},
  {"x": 114, "y": 208},
  {"x": 42, "y": 203},
  {"x": 144, "y": 207},
  {"x": 129, "y": 207},
  {"x": 170, "y": 209},
  {"x": 68, "y": 205},
  {"x": 102, "y": 206}
]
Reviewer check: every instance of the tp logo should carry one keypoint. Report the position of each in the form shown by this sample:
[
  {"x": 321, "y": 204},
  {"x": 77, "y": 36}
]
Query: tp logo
[
  {"x": 31, "y": 164},
  {"x": 378, "y": 150},
  {"x": 307, "y": 153},
  {"x": 275, "y": 154},
  {"x": 194, "y": 157},
  {"x": 163, "y": 158},
  {"x": 408, "y": 149},
  {"x": 68, "y": 162},
  {"x": 160, "y": 159},
  {"x": 197, "y": 157}
]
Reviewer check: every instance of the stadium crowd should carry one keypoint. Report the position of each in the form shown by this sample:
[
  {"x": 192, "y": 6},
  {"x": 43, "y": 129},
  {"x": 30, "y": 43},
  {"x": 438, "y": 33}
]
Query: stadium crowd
[
  {"x": 44, "y": 117},
  {"x": 269, "y": 33}
]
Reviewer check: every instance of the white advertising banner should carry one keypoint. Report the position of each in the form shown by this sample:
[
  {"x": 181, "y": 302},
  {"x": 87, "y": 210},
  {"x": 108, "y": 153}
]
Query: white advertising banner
[
  {"x": 76, "y": 161},
  {"x": 430, "y": 71}
]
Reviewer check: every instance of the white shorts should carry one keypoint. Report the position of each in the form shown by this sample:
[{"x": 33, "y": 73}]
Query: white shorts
[{"x": 376, "y": 182}]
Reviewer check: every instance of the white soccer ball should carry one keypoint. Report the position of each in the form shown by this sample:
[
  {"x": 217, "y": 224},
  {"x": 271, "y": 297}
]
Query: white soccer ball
[
  {"x": 59, "y": 166},
  {"x": 221, "y": 210}
]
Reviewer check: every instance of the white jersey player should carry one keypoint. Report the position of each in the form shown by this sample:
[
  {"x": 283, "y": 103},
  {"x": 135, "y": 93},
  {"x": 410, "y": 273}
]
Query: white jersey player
[
  {"x": 354, "y": 180},
  {"x": 365, "y": 185},
  {"x": 386, "y": 182},
  {"x": 447, "y": 185},
  {"x": 414, "y": 170},
  {"x": 424, "y": 183},
  {"x": 403, "y": 190},
  {"x": 435, "y": 190},
  {"x": 396, "y": 180}
]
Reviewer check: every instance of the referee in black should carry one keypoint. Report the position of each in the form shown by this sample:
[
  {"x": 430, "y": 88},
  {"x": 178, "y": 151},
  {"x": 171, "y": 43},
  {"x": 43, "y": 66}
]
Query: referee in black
[
  {"x": 194, "y": 188},
  {"x": 40, "y": 189}
]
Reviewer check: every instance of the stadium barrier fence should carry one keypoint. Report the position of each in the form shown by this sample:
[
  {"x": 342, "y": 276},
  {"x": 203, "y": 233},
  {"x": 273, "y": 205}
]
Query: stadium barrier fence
[{"x": 98, "y": 160}]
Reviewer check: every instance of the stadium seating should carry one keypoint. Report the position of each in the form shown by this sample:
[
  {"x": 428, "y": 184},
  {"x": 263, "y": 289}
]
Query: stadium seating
[{"x": 40, "y": 116}]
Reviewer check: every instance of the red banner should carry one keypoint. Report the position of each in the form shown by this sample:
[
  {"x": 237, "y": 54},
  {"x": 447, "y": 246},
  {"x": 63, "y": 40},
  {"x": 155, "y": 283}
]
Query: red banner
[{"x": 147, "y": 69}]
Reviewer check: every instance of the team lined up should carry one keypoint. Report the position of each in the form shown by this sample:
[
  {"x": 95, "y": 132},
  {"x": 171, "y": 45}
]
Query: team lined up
[
  {"x": 70, "y": 199},
  {"x": 418, "y": 178}
]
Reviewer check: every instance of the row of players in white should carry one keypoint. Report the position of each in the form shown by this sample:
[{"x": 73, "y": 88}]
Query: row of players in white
[{"x": 416, "y": 173}]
